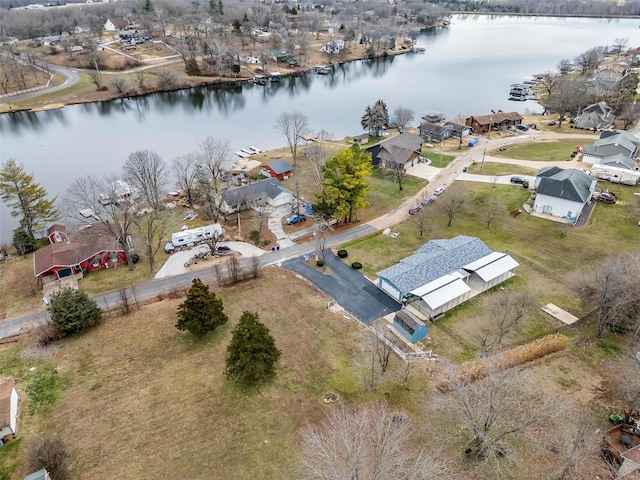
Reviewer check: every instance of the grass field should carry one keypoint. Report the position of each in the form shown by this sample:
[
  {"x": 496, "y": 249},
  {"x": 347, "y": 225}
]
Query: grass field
[
  {"x": 438, "y": 160},
  {"x": 553, "y": 151},
  {"x": 497, "y": 169}
]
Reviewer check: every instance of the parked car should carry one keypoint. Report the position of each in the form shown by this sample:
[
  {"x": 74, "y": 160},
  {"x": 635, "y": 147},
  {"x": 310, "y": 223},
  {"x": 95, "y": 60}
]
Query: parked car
[
  {"x": 438, "y": 191},
  {"x": 295, "y": 219},
  {"x": 223, "y": 248},
  {"x": 414, "y": 210},
  {"x": 426, "y": 200},
  {"x": 522, "y": 128},
  {"x": 551, "y": 122},
  {"x": 517, "y": 180},
  {"x": 169, "y": 247}
]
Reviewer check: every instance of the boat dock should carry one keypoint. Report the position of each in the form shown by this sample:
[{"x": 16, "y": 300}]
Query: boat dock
[{"x": 247, "y": 152}]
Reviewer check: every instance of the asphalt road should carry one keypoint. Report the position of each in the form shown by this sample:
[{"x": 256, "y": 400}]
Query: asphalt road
[{"x": 347, "y": 286}]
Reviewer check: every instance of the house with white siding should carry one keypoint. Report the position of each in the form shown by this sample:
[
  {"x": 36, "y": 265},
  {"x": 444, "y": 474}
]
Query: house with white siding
[{"x": 563, "y": 193}]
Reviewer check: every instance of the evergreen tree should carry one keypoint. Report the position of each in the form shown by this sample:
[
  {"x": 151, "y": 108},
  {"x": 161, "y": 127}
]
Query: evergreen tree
[
  {"x": 72, "y": 311},
  {"x": 24, "y": 242},
  {"x": 376, "y": 118},
  {"x": 252, "y": 353},
  {"x": 202, "y": 311},
  {"x": 192, "y": 68},
  {"x": 146, "y": 6},
  {"x": 25, "y": 197}
]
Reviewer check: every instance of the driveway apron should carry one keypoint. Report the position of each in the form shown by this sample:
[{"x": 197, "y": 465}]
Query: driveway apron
[{"x": 347, "y": 286}]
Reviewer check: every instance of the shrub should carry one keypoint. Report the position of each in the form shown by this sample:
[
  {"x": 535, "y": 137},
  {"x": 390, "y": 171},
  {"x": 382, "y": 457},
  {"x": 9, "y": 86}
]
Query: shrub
[
  {"x": 320, "y": 263},
  {"x": 24, "y": 241},
  {"x": 135, "y": 258},
  {"x": 202, "y": 311},
  {"x": 525, "y": 185},
  {"x": 343, "y": 254},
  {"x": 49, "y": 453},
  {"x": 356, "y": 265},
  {"x": 72, "y": 311}
]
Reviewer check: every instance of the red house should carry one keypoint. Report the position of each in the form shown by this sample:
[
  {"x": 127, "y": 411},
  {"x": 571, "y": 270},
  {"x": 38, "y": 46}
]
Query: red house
[
  {"x": 90, "y": 249},
  {"x": 276, "y": 169}
]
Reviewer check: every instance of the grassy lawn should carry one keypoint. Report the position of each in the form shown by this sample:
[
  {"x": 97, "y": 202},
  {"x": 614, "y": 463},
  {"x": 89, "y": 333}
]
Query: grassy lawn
[
  {"x": 438, "y": 160},
  {"x": 491, "y": 168},
  {"x": 552, "y": 151},
  {"x": 384, "y": 194}
]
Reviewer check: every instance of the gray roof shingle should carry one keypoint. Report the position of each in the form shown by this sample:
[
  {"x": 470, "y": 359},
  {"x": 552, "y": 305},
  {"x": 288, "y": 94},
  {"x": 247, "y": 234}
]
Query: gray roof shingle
[
  {"x": 433, "y": 260},
  {"x": 279, "y": 166},
  {"x": 569, "y": 184},
  {"x": 247, "y": 194}
]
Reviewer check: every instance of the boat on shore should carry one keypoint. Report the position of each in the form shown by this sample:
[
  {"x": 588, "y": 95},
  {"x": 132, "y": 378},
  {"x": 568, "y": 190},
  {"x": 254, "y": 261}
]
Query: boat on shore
[
  {"x": 519, "y": 92},
  {"x": 259, "y": 80},
  {"x": 417, "y": 49},
  {"x": 322, "y": 69},
  {"x": 275, "y": 76},
  {"x": 247, "y": 152}
]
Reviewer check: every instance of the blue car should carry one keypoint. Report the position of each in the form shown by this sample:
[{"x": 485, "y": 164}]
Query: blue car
[{"x": 295, "y": 219}]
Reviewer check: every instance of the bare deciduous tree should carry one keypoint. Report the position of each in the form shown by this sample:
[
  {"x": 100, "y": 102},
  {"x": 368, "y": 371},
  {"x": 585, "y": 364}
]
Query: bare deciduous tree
[
  {"x": 49, "y": 453},
  {"x": 611, "y": 290},
  {"x": 233, "y": 269},
  {"x": 292, "y": 126},
  {"x": 576, "y": 445},
  {"x": 368, "y": 442},
  {"x": 186, "y": 170},
  {"x": 146, "y": 171},
  {"x": 490, "y": 410},
  {"x": 109, "y": 204},
  {"x": 420, "y": 220},
  {"x": 506, "y": 309},
  {"x": 491, "y": 207},
  {"x": 402, "y": 117},
  {"x": 212, "y": 154},
  {"x": 452, "y": 202}
]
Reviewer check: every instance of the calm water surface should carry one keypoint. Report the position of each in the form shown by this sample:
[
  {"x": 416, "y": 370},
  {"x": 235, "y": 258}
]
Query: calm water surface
[{"x": 466, "y": 70}]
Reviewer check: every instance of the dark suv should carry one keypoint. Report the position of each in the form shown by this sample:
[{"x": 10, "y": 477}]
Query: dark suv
[{"x": 517, "y": 180}]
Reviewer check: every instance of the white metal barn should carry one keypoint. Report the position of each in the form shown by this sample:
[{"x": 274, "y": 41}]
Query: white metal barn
[{"x": 442, "y": 274}]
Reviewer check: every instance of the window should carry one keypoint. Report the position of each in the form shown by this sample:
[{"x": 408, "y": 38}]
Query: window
[{"x": 95, "y": 263}]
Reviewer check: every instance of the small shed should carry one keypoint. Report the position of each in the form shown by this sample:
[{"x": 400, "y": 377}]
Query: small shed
[
  {"x": 39, "y": 475},
  {"x": 409, "y": 325},
  {"x": 277, "y": 169},
  {"x": 9, "y": 409}
]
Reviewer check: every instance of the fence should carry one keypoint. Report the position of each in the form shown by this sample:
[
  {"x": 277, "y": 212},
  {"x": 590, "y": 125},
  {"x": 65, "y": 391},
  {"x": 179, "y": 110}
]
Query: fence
[{"x": 406, "y": 356}]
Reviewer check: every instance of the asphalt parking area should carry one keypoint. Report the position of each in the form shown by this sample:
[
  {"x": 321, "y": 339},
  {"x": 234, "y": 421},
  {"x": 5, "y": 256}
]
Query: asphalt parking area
[{"x": 347, "y": 286}]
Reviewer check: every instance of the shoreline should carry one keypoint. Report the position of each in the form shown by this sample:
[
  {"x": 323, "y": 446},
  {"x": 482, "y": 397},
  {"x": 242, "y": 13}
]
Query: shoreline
[{"x": 59, "y": 102}]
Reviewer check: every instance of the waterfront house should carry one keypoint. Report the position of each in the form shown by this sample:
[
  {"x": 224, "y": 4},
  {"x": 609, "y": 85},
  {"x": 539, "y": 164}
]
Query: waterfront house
[
  {"x": 597, "y": 116},
  {"x": 116, "y": 23},
  {"x": 403, "y": 149},
  {"x": 610, "y": 143},
  {"x": 495, "y": 120},
  {"x": 279, "y": 169},
  {"x": 255, "y": 195}
]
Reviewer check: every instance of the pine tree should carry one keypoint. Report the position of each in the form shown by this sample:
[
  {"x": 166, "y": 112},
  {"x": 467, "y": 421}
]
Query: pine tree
[
  {"x": 252, "y": 353},
  {"x": 24, "y": 242},
  {"x": 202, "y": 311},
  {"x": 25, "y": 197},
  {"x": 72, "y": 311},
  {"x": 192, "y": 68}
]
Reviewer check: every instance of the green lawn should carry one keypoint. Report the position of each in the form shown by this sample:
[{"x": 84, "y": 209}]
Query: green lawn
[
  {"x": 540, "y": 151},
  {"x": 491, "y": 168},
  {"x": 384, "y": 193},
  {"x": 438, "y": 160}
]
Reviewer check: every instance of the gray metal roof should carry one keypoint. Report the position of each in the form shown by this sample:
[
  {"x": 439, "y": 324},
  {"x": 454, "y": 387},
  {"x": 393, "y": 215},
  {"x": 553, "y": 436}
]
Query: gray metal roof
[
  {"x": 492, "y": 266},
  {"x": 433, "y": 260},
  {"x": 442, "y": 290},
  {"x": 548, "y": 171},
  {"x": 279, "y": 166},
  {"x": 569, "y": 184}
]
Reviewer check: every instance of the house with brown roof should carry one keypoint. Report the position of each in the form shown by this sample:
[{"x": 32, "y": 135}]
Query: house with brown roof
[
  {"x": 116, "y": 23},
  {"x": 495, "y": 120},
  {"x": 61, "y": 263},
  {"x": 9, "y": 409},
  {"x": 402, "y": 149}
]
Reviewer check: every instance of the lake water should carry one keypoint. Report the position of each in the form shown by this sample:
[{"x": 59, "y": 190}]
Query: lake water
[{"x": 466, "y": 70}]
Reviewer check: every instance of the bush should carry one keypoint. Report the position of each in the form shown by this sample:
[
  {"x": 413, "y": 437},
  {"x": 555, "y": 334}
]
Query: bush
[
  {"x": 49, "y": 453},
  {"x": 24, "y": 242},
  {"x": 525, "y": 185},
  {"x": 356, "y": 265},
  {"x": 72, "y": 311},
  {"x": 135, "y": 258},
  {"x": 320, "y": 263},
  {"x": 343, "y": 254}
]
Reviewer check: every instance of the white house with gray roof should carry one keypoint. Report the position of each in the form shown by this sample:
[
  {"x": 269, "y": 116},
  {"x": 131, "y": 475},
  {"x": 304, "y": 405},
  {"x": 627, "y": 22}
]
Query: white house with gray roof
[
  {"x": 444, "y": 273},
  {"x": 611, "y": 143},
  {"x": 563, "y": 193},
  {"x": 258, "y": 194}
]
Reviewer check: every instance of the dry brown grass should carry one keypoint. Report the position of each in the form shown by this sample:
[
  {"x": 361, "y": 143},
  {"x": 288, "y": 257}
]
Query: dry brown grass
[
  {"x": 148, "y": 401},
  {"x": 20, "y": 292},
  {"x": 477, "y": 369}
]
